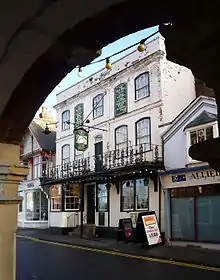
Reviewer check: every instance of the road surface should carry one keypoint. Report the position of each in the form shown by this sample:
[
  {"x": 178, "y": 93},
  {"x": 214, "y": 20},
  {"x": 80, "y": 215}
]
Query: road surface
[{"x": 40, "y": 261}]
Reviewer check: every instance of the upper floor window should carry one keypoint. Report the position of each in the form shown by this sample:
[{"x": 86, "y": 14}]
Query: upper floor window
[
  {"x": 142, "y": 88},
  {"x": 98, "y": 106},
  {"x": 65, "y": 154},
  {"x": 121, "y": 99},
  {"x": 201, "y": 134},
  {"x": 37, "y": 167},
  {"x": 143, "y": 133},
  {"x": 79, "y": 114},
  {"x": 65, "y": 120},
  {"x": 121, "y": 137}
]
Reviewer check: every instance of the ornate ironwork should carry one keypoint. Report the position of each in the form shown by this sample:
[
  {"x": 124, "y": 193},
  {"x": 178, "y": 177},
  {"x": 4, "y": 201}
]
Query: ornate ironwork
[{"x": 111, "y": 160}]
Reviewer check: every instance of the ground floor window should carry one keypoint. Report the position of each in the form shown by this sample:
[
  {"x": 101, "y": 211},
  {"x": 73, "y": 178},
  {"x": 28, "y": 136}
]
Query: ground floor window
[
  {"x": 56, "y": 198},
  {"x": 135, "y": 195},
  {"x": 195, "y": 212},
  {"x": 102, "y": 198},
  {"x": 36, "y": 207},
  {"x": 71, "y": 197}
]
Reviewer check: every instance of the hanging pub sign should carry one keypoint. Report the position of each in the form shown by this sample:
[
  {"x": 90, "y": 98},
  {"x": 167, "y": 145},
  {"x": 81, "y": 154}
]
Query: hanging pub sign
[
  {"x": 147, "y": 230},
  {"x": 81, "y": 139}
]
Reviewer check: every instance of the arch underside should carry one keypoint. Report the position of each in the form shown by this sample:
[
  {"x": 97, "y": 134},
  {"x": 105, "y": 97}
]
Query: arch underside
[{"x": 192, "y": 41}]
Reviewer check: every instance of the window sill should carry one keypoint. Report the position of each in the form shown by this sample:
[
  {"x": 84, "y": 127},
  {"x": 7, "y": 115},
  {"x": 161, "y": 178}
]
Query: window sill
[
  {"x": 72, "y": 210},
  {"x": 136, "y": 100},
  {"x": 132, "y": 211},
  {"x": 94, "y": 118}
]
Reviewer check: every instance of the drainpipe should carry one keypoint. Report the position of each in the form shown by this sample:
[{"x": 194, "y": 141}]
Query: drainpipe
[
  {"x": 81, "y": 209},
  {"x": 159, "y": 220}
]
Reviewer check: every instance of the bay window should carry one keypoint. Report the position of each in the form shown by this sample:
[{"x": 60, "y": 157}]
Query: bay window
[
  {"x": 36, "y": 206},
  {"x": 201, "y": 134}
]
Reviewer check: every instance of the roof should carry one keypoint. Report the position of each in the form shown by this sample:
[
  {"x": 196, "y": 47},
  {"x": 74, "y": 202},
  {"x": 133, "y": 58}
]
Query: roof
[
  {"x": 46, "y": 142},
  {"x": 204, "y": 117}
]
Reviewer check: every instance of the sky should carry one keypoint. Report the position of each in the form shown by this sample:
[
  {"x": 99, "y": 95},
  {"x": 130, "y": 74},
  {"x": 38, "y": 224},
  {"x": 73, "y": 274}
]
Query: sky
[{"x": 73, "y": 77}]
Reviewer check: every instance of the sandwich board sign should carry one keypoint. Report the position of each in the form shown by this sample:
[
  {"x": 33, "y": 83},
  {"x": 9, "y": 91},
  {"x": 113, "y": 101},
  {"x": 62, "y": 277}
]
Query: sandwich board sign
[{"x": 151, "y": 228}]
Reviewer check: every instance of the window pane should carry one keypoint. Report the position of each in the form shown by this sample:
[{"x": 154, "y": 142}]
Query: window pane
[
  {"x": 121, "y": 137},
  {"x": 65, "y": 119},
  {"x": 128, "y": 195},
  {"x": 141, "y": 194},
  {"x": 102, "y": 197},
  {"x": 65, "y": 154},
  {"x": 201, "y": 135},
  {"x": 98, "y": 103},
  {"x": 209, "y": 133},
  {"x": 143, "y": 133},
  {"x": 33, "y": 206},
  {"x": 142, "y": 86},
  {"x": 72, "y": 197},
  {"x": 183, "y": 218},
  {"x": 193, "y": 137}
]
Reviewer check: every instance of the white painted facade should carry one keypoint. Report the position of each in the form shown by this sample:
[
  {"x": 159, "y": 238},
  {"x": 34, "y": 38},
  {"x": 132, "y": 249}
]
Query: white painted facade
[
  {"x": 171, "y": 90},
  {"x": 192, "y": 188},
  {"x": 177, "y": 138}
]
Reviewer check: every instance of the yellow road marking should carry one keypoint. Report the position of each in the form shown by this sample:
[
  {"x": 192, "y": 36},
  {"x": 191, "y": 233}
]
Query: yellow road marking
[{"x": 183, "y": 264}]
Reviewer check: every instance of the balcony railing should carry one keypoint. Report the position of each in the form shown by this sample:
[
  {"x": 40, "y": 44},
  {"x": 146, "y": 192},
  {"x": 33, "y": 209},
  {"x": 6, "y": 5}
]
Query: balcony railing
[{"x": 143, "y": 154}]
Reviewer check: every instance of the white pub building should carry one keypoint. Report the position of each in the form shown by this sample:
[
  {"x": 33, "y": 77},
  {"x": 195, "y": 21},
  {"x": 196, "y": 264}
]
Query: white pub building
[{"x": 121, "y": 113}]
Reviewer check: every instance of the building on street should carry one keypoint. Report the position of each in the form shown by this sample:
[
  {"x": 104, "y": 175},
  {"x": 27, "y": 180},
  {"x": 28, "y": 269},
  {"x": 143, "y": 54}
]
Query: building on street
[
  {"x": 108, "y": 144},
  {"x": 192, "y": 188},
  {"x": 38, "y": 153}
]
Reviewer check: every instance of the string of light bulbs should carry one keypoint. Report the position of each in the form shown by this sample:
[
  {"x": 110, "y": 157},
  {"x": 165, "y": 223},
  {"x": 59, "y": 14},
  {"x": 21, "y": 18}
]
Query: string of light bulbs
[{"x": 141, "y": 47}]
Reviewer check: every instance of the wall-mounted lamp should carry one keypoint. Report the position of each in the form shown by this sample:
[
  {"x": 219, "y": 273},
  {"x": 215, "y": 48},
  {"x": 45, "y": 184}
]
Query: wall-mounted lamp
[{"x": 46, "y": 130}]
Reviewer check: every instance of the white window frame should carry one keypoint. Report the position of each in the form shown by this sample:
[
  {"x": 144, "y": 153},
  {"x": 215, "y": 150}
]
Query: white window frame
[
  {"x": 119, "y": 145},
  {"x": 98, "y": 105},
  {"x": 139, "y": 137},
  {"x": 72, "y": 196},
  {"x": 188, "y": 131},
  {"x": 58, "y": 198},
  {"x": 145, "y": 86},
  {"x": 37, "y": 167},
  {"x": 66, "y": 159},
  {"x": 65, "y": 118}
]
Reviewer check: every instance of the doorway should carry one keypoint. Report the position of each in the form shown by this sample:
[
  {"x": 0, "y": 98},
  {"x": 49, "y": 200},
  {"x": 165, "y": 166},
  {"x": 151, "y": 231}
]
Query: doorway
[
  {"x": 91, "y": 204},
  {"x": 99, "y": 156}
]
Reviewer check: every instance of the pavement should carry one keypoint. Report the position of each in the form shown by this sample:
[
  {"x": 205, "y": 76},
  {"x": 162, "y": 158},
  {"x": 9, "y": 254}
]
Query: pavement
[
  {"x": 40, "y": 260},
  {"x": 192, "y": 255}
]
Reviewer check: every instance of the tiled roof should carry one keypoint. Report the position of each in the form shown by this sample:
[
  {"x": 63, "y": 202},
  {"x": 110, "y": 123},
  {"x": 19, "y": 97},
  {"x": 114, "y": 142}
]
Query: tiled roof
[
  {"x": 203, "y": 118},
  {"x": 46, "y": 142}
]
